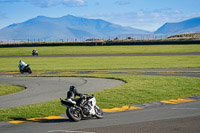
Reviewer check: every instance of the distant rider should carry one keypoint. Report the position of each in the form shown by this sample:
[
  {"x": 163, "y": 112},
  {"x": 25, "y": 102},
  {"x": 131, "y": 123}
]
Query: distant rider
[
  {"x": 22, "y": 65},
  {"x": 71, "y": 95},
  {"x": 34, "y": 51}
]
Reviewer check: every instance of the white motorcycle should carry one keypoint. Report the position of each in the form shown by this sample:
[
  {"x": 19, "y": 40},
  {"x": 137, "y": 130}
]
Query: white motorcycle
[
  {"x": 34, "y": 52},
  {"x": 88, "y": 110}
]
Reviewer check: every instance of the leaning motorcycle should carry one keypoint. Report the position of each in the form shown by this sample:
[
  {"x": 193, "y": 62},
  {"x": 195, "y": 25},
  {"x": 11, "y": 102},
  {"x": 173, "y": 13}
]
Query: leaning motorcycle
[
  {"x": 89, "y": 109},
  {"x": 26, "y": 69},
  {"x": 34, "y": 52}
]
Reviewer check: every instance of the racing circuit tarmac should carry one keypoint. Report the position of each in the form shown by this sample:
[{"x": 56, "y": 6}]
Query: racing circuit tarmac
[
  {"x": 178, "y": 118},
  {"x": 163, "y": 118},
  {"x": 40, "y": 89}
]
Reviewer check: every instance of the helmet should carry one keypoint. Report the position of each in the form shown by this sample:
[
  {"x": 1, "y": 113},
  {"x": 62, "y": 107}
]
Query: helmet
[{"x": 72, "y": 88}]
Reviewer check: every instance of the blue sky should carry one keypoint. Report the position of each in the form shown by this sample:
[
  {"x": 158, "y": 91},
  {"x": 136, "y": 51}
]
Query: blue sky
[{"x": 142, "y": 14}]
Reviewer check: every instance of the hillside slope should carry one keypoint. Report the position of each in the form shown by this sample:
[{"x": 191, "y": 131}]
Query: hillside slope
[
  {"x": 187, "y": 26},
  {"x": 66, "y": 28}
]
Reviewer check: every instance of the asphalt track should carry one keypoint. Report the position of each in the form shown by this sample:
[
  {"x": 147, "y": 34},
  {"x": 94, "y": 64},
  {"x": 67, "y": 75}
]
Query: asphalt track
[
  {"x": 180, "y": 118},
  {"x": 40, "y": 89},
  {"x": 168, "y": 118}
]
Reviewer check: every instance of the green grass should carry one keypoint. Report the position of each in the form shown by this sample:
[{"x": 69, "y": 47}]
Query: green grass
[
  {"x": 92, "y": 63},
  {"x": 138, "y": 89},
  {"x": 60, "y": 50},
  {"x": 8, "y": 89},
  {"x": 147, "y": 89}
]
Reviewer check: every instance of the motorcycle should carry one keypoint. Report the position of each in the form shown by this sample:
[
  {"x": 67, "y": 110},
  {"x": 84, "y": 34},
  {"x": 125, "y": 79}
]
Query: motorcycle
[
  {"x": 89, "y": 109},
  {"x": 34, "y": 52},
  {"x": 26, "y": 69}
]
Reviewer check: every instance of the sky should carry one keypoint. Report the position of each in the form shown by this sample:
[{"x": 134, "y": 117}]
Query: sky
[{"x": 142, "y": 14}]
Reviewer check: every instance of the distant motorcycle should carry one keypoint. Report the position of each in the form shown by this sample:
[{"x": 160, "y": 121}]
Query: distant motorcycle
[
  {"x": 34, "y": 52},
  {"x": 26, "y": 69},
  {"x": 88, "y": 110},
  {"x": 23, "y": 67}
]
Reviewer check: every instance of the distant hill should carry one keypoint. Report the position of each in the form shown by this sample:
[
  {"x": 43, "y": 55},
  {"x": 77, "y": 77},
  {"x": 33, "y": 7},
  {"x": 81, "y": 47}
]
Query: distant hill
[
  {"x": 187, "y": 26},
  {"x": 66, "y": 28}
]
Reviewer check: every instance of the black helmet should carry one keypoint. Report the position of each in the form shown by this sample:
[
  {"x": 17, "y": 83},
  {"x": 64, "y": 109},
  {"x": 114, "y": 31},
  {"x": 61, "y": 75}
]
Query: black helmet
[{"x": 72, "y": 88}]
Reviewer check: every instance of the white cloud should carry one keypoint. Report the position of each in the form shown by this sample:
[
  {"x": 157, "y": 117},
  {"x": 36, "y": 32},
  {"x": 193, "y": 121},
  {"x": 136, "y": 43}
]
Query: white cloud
[
  {"x": 145, "y": 19},
  {"x": 43, "y": 3},
  {"x": 49, "y": 3},
  {"x": 73, "y": 2}
]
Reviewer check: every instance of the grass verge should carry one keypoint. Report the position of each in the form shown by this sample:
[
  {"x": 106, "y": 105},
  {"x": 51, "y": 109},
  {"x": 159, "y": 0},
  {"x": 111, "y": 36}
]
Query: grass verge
[
  {"x": 60, "y": 50},
  {"x": 8, "y": 89},
  {"x": 138, "y": 89},
  {"x": 94, "y": 63}
]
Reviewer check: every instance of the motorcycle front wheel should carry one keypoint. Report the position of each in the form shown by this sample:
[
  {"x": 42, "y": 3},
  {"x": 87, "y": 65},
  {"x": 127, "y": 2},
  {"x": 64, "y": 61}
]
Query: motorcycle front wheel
[
  {"x": 73, "y": 114},
  {"x": 22, "y": 72},
  {"x": 29, "y": 71},
  {"x": 99, "y": 112}
]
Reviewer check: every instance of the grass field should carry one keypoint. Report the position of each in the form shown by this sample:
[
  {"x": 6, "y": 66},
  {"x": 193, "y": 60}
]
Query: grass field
[
  {"x": 138, "y": 89},
  {"x": 8, "y": 89},
  {"x": 60, "y": 50},
  {"x": 93, "y": 63}
]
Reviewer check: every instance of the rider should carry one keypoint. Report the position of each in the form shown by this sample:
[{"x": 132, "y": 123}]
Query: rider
[
  {"x": 22, "y": 65},
  {"x": 72, "y": 93},
  {"x": 34, "y": 51}
]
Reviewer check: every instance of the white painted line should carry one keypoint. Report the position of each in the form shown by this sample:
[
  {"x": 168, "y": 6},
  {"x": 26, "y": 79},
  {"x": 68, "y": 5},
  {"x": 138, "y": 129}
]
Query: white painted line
[{"x": 66, "y": 131}]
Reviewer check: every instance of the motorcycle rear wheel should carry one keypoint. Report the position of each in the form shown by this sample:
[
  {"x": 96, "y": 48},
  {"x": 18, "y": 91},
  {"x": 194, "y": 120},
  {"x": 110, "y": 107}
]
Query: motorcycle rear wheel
[{"x": 73, "y": 114}]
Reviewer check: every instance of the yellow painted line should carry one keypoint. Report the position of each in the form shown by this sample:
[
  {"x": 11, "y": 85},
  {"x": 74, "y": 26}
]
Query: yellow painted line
[
  {"x": 11, "y": 72},
  {"x": 177, "y": 101},
  {"x": 37, "y": 119},
  {"x": 124, "y": 108},
  {"x": 54, "y": 117},
  {"x": 17, "y": 122},
  {"x": 38, "y": 73}
]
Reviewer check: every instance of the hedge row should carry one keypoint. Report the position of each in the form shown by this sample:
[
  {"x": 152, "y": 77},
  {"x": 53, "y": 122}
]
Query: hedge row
[{"x": 108, "y": 43}]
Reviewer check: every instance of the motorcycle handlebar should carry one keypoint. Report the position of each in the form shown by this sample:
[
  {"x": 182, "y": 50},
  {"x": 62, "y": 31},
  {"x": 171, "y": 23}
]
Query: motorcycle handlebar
[{"x": 85, "y": 96}]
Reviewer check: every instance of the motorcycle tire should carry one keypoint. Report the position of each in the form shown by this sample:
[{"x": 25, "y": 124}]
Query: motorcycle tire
[
  {"x": 99, "y": 112},
  {"x": 22, "y": 72},
  {"x": 29, "y": 71},
  {"x": 73, "y": 114}
]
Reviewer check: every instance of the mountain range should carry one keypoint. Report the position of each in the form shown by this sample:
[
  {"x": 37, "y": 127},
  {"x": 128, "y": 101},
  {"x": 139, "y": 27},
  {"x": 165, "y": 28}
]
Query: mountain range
[
  {"x": 66, "y": 28},
  {"x": 187, "y": 26},
  {"x": 72, "y": 28}
]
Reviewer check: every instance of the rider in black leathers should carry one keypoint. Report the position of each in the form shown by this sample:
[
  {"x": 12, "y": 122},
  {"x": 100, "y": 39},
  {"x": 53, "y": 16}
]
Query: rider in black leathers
[{"x": 72, "y": 93}]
